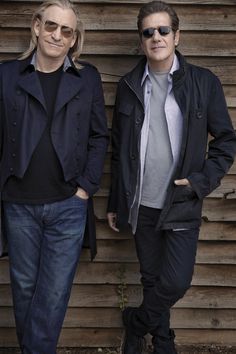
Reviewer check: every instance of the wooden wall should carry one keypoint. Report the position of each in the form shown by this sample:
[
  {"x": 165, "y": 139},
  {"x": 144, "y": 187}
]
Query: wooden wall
[{"x": 207, "y": 314}]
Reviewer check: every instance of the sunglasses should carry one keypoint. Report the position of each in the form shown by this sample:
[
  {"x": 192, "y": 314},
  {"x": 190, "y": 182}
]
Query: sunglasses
[
  {"x": 51, "y": 26},
  {"x": 163, "y": 31}
]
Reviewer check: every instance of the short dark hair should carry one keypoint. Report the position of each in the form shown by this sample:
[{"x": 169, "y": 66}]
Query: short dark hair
[{"x": 157, "y": 6}]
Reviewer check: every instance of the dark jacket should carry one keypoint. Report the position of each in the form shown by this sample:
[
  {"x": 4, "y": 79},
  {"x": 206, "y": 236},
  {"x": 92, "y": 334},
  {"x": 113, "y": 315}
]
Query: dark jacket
[
  {"x": 79, "y": 130},
  {"x": 199, "y": 94}
]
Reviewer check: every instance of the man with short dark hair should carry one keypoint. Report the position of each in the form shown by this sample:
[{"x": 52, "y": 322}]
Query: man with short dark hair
[
  {"x": 164, "y": 110},
  {"x": 53, "y": 144}
]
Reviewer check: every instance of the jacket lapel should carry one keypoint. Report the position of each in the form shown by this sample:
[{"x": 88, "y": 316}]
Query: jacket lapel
[
  {"x": 30, "y": 83},
  {"x": 69, "y": 87}
]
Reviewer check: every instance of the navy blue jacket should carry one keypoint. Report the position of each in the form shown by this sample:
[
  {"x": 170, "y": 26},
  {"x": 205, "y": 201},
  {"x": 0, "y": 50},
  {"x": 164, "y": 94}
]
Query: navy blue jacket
[
  {"x": 79, "y": 128},
  {"x": 199, "y": 94}
]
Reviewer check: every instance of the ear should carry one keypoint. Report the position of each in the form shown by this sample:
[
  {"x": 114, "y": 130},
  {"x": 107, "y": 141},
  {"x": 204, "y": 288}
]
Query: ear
[
  {"x": 176, "y": 38},
  {"x": 36, "y": 27}
]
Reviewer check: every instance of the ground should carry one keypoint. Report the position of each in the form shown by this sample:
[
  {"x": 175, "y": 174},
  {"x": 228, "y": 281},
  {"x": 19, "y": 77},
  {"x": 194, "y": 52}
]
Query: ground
[{"x": 181, "y": 350}]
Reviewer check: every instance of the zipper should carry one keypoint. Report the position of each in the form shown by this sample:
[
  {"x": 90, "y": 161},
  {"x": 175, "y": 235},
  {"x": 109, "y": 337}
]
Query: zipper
[{"x": 133, "y": 90}]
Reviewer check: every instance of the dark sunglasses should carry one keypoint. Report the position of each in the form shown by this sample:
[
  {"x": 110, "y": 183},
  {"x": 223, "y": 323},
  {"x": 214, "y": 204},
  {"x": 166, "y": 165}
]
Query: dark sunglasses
[
  {"x": 51, "y": 26},
  {"x": 163, "y": 31}
]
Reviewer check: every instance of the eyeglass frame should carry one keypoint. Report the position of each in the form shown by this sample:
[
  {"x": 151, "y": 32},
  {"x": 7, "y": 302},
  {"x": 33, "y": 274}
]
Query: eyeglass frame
[{"x": 71, "y": 33}]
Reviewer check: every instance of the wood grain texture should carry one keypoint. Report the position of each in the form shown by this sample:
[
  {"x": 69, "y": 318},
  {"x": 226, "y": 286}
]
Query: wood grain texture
[{"x": 207, "y": 313}]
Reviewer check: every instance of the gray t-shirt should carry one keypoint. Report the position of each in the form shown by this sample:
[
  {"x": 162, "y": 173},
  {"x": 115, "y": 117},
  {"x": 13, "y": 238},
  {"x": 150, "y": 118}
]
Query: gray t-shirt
[{"x": 159, "y": 165}]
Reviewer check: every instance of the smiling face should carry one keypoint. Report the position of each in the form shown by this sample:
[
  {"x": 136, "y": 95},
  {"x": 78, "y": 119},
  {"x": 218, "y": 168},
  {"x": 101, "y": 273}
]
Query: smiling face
[
  {"x": 159, "y": 49},
  {"x": 54, "y": 45}
]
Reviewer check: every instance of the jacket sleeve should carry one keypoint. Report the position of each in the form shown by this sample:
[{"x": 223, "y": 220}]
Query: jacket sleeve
[
  {"x": 221, "y": 149},
  {"x": 98, "y": 140},
  {"x": 115, "y": 157}
]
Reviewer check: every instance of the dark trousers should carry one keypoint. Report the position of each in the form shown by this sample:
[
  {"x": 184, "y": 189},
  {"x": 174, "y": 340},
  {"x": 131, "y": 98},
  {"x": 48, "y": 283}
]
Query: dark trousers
[
  {"x": 44, "y": 247},
  {"x": 167, "y": 260}
]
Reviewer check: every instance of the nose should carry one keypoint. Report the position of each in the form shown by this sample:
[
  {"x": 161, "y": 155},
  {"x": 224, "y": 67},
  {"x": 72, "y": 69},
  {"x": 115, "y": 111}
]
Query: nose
[
  {"x": 156, "y": 35},
  {"x": 57, "y": 34}
]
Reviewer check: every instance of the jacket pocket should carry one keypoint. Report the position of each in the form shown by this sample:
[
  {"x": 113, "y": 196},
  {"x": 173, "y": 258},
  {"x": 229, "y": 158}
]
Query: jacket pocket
[
  {"x": 184, "y": 214},
  {"x": 184, "y": 193},
  {"x": 126, "y": 108}
]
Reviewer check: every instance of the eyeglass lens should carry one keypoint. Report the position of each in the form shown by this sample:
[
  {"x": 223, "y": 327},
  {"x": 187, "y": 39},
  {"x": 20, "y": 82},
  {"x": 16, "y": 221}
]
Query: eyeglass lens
[{"x": 163, "y": 31}]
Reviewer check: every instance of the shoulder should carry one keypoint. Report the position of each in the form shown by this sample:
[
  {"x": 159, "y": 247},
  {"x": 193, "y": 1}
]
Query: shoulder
[
  {"x": 87, "y": 68},
  {"x": 8, "y": 69},
  {"x": 5, "y": 64},
  {"x": 202, "y": 73}
]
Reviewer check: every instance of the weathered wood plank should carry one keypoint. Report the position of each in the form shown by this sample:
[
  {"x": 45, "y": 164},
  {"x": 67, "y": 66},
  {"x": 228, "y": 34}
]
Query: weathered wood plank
[
  {"x": 227, "y": 188},
  {"x": 219, "y": 210},
  {"x": 113, "y": 68},
  {"x": 96, "y": 16},
  {"x": 110, "y": 93},
  {"x": 127, "y": 42},
  {"x": 109, "y": 337},
  {"x": 111, "y": 318},
  {"x": 203, "y": 2},
  {"x": 106, "y": 296},
  {"x": 208, "y": 252},
  {"x": 213, "y": 209},
  {"x": 108, "y": 273},
  {"x": 214, "y": 231},
  {"x": 107, "y": 167}
]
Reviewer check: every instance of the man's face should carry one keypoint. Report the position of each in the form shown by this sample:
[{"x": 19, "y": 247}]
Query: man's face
[
  {"x": 159, "y": 49},
  {"x": 55, "y": 32}
]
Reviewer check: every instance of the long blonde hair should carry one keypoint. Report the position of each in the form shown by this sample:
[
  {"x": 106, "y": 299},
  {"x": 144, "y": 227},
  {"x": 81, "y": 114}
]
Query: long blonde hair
[{"x": 76, "y": 50}]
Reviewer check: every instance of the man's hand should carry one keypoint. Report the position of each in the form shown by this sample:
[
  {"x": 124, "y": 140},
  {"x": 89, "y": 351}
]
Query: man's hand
[
  {"x": 182, "y": 182},
  {"x": 111, "y": 217},
  {"x": 81, "y": 193}
]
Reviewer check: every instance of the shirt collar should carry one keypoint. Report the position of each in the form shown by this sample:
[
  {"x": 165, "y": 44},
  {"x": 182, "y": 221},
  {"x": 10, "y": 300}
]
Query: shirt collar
[
  {"x": 67, "y": 64},
  {"x": 174, "y": 67},
  {"x": 29, "y": 64}
]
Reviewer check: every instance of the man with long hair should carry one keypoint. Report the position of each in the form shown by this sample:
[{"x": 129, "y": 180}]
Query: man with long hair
[
  {"x": 53, "y": 143},
  {"x": 165, "y": 108}
]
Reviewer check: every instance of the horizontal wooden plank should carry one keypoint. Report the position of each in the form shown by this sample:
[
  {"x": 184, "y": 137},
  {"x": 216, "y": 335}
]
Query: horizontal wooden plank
[
  {"x": 97, "y": 16},
  {"x": 111, "y": 318},
  {"x": 109, "y": 273},
  {"x": 208, "y": 252},
  {"x": 109, "y": 337},
  {"x": 173, "y": 2},
  {"x": 127, "y": 42},
  {"x": 107, "y": 167},
  {"x": 213, "y": 209},
  {"x": 209, "y": 231},
  {"x": 112, "y": 68},
  {"x": 110, "y": 93},
  {"x": 219, "y": 210},
  {"x": 227, "y": 188},
  {"x": 98, "y": 295}
]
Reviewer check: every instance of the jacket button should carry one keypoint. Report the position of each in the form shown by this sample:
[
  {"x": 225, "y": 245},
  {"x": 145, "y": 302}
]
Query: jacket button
[
  {"x": 127, "y": 194},
  {"x": 13, "y": 155},
  {"x": 13, "y": 140},
  {"x": 11, "y": 169},
  {"x": 14, "y": 123},
  {"x": 138, "y": 121},
  {"x": 133, "y": 157},
  {"x": 199, "y": 115}
]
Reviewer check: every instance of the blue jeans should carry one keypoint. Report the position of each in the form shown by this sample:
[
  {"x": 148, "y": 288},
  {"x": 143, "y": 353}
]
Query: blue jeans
[{"x": 45, "y": 243}]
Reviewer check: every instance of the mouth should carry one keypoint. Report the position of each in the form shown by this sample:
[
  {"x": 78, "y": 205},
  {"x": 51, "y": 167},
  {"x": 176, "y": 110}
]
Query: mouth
[
  {"x": 157, "y": 47},
  {"x": 55, "y": 45}
]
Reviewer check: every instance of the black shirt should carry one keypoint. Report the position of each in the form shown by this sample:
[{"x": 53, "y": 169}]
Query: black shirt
[{"x": 43, "y": 181}]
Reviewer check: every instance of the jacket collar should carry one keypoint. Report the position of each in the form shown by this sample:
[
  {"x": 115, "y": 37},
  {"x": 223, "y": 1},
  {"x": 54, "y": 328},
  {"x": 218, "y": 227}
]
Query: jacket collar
[
  {"x": 69, "y": 87},
  {"x": 135, "y": 77}
]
